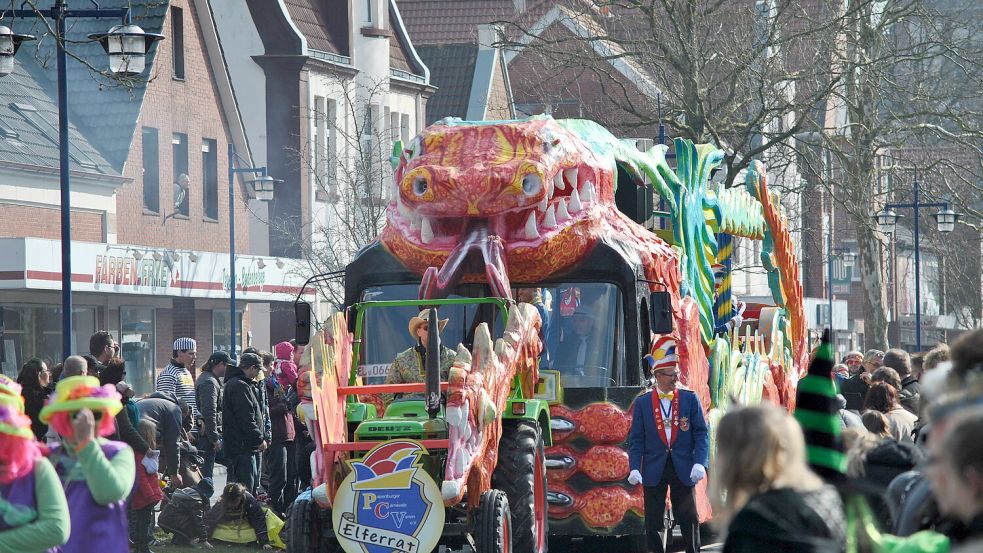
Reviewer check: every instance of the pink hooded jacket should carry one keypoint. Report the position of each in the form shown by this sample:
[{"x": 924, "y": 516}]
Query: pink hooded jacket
[{"x": 283, "y": 367}]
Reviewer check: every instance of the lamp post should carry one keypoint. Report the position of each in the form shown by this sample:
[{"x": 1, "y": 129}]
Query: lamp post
[
  {"x": 263, "y": 187},
  {"x": 127, "y": 46},
  {"x": 849, "y": 257},
  {"x": 945, "y": 218}
]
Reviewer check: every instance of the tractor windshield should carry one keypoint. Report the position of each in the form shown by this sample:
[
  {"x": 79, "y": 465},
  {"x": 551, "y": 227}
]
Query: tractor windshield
[
  {"x": 386, "y": 331},
  {"x": 583, "y": 331}
]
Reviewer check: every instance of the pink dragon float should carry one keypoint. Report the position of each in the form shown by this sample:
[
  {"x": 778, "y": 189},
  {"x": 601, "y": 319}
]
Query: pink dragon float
[{"x": 549, "y": 209}]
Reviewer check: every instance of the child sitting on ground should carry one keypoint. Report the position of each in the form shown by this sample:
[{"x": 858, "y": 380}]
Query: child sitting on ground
[{"x": 236, "y": 507}]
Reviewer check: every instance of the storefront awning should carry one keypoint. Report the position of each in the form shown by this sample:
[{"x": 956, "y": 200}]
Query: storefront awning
[{"x": 35, "y": 264}]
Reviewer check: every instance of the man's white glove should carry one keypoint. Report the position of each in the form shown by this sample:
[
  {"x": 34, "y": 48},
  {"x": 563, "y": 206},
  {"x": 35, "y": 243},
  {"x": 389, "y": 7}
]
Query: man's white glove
[
  {"x": 151, "y": 461},
  {"x": 697, "y": 473},
  {"x": 634, "y": 477}
]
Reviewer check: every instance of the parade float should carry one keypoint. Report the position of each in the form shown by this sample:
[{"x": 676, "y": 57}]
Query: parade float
[{"x": 518, "y": 448}]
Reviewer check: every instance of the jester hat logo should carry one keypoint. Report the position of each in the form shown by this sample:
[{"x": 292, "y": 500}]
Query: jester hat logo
[{"x": 388, "y": 503}]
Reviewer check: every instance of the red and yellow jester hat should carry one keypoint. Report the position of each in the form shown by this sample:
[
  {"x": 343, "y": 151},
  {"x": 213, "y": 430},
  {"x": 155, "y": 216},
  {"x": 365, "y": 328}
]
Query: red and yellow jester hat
[{"x": 663, "y": 355}]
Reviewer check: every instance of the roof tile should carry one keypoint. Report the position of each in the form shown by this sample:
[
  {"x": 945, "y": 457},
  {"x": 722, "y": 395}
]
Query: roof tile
[
  {"x": 452, "y": 72},
  {"x": 328, "y": 34},
  {"x": 451, "y": 21}
]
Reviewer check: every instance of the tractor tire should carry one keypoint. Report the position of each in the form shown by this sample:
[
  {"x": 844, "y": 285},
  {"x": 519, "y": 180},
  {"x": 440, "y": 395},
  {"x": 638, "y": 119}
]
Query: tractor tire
[
  {"x": 521, "y": 474},
  {"x": 299, "y": 535},
  {"x": 303, "y": 529},
  {"x": 493, "y": 523}
]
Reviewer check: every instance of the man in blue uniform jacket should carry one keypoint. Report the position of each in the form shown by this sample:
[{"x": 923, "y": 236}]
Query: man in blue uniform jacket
[{"x": 668, "y": 447}]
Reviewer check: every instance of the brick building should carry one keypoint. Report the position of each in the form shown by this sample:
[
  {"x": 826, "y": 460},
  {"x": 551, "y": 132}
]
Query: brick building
[{"x": 150, "y": 201}]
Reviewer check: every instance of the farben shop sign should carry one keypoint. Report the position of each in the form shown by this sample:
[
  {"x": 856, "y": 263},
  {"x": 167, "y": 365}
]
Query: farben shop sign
[{"x": 36, "y": 264}]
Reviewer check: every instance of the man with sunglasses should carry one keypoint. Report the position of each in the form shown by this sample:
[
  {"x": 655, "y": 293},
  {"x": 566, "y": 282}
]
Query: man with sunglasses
[
  {"x": 668, "y": 447},
  {"x": 408, "y": 367},
  {"x": 854, "y": 389},
  {"x": 103, "y": 347}
]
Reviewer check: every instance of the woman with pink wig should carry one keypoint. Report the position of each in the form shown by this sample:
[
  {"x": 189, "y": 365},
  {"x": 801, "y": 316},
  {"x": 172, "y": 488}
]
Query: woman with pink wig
[
  {"x": 97, "y": 473},
  {"x": 33, "y": 510}
]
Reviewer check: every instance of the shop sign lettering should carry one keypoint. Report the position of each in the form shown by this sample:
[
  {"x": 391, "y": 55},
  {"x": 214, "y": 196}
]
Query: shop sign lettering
[
  {"x": 244, "y": 278},
  {"x": 127, "y": 271}
]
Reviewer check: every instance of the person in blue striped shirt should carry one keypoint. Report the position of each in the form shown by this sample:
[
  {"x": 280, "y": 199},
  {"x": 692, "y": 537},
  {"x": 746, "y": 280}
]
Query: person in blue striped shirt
[{"x": 176, "y": 377}]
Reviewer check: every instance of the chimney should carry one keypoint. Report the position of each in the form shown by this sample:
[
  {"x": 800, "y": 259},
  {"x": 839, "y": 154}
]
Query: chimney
[
  {"x": 520, "y": 6},
  {"x": 488, "y": 35}
]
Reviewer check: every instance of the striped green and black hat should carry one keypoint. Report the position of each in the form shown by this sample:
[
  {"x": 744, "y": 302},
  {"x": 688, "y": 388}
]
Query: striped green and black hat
[{"x": 817, "y": 411}]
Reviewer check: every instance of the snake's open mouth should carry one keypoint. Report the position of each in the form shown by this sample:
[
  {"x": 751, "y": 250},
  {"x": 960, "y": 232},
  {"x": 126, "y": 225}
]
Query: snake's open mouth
[{"x": 568, "y": 198}]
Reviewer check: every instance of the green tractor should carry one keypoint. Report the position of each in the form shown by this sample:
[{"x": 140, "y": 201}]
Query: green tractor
[{"x": 456, "y": 464}]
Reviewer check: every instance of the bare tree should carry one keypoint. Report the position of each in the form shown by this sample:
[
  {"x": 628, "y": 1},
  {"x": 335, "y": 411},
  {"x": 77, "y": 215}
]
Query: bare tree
[
  {"x": 907, "y": 64},
  {"x": 348, "y": 157},
  {"x": 742, "y": 75},
  {"x": 832, "y": 85}
]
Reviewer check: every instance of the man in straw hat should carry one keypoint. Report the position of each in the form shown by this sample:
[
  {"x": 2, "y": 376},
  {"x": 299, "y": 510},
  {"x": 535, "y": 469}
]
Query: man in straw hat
[
  {"x": 33, "y": 510},
  {"x": 408, "y": 367},
  {"x": 97, "y": 473}
]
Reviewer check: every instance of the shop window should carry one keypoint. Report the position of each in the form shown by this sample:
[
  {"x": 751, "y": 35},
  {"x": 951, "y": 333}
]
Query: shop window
[
  {"x": 220, "y": 331},
  {"x": 177, "y": 41},
  {"x": 137, "y": 339},
  {"x": 182, "y": 182},
  {"x": 35, "y": 331},
  {"x": 209, "y": 173}
]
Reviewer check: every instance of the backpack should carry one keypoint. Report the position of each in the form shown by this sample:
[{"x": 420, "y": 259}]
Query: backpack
[{"x": 183, "y": 515}]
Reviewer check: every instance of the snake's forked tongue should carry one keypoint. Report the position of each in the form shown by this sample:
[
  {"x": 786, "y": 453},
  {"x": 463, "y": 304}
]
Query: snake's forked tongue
[{"x": 438, "y": 283}]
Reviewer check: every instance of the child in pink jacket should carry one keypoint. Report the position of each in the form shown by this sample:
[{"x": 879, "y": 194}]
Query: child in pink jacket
[{"x": 284, "y": 368}]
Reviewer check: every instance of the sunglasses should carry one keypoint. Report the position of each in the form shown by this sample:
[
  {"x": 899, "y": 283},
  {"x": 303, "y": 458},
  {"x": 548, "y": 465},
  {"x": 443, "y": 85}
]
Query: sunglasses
[{"x": 672, "y": 374}]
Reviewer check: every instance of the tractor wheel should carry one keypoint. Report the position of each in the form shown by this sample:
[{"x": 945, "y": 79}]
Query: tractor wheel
[
  {"x": 304, "y": 529},
  {"x": 521, "y": 473},
  {"x": 493, "y": 523},
  {"x": 300, "y": 526}
]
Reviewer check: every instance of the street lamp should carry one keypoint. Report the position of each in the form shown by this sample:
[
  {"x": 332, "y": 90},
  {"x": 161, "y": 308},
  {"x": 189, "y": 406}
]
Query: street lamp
[
  {"x": 127, "y": 46},
  {"x": 946, "y": 219},
  {"x": 262, "y": 187},
  {"x": 946, "y": 222},
  {"x": 886, "y": 221},
  {"x": 9, "y": 43},
  {"x": 849, "y": 258}
]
